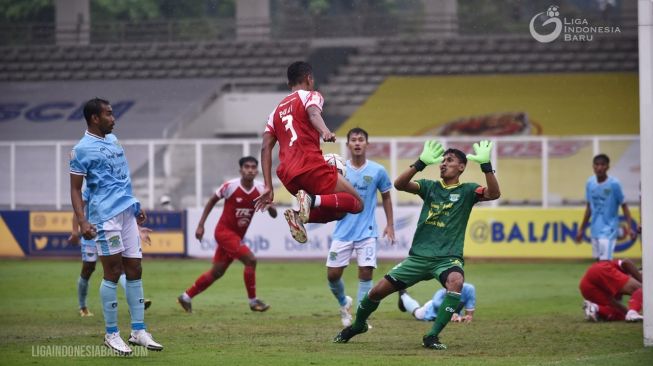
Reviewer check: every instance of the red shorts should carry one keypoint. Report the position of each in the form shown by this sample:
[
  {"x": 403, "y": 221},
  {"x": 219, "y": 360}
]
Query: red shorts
[
  {"x": 230, "y": 247},
  {"x": 320, "y": 180},
  {"x": 602, "y": 281}
]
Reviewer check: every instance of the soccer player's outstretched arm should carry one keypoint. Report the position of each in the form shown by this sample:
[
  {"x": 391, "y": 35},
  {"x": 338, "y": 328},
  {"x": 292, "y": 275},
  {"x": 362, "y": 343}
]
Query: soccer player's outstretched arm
[
  {"x": 482, "y": 150},
  {"x": 199, "y": 232},
  {"x": 432, "y": 153},
  {"x": 266, "y": 198},
  {"x": 315, "y": 116},
  {"x": 76, "y": 182},
  {"x": 583, "y": 224}
]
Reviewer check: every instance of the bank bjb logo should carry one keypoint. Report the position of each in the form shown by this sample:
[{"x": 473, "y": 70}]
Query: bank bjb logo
[{"x": 551, "y": 16}]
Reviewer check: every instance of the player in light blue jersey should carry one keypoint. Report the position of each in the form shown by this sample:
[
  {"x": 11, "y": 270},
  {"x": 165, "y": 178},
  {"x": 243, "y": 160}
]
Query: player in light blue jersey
[
  {"x": 429, "y": 311},
  {"x": 89, "y": 258},
  {"x": 604, "y": 196},
  {"x": 112, "y": 220},
  {"x": 358, "y": 232}
]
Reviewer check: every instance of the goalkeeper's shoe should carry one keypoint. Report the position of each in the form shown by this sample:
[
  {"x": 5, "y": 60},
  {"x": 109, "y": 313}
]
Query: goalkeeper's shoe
[
  {"x": 142, "y": 338},
  {"x": 116, "y": 344},
  {"x": 348, "y": 333},
  {"x": 591, "y": 311},
  {"x": 258, "y": 305},
  {"x": 296, "y": 226},
  {"x": 84, "y": 312},
  {"x": 432, "y": 342},
  {"x": 147, "y": 303},
  {"x": 305, "y": 202},
  {"x": 345, "y": 312},
  {"x": 400, "y": 304},
  {"x": 186, "y": 305}
]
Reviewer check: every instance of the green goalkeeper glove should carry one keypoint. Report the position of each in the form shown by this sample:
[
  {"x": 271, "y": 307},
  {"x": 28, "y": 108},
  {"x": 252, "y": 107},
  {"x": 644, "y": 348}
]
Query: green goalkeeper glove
[
  {"x": 481, "y": 155},
  {"x": 431, "y": 154}
]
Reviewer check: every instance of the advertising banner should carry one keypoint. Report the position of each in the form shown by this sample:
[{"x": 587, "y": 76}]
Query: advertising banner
[
  {"x": 14, "y": 231},
  {"x": 491, "y": 233},
  {"x": 49, "y": 232}
]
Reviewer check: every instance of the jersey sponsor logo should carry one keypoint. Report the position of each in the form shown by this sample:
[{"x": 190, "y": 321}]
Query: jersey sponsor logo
[
  {"x": 449, "y": 309},
  {"x": 244, "y": 212}
]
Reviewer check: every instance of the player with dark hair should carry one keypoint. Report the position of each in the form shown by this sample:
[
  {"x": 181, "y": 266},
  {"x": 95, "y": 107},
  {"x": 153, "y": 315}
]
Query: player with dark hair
[
  {"x": 296, "y": 123},
  {"x": 604, "y": 196},
  {"x": 239, "y": 195},
  {"x": 113, "y": 218},
  {"x": 437, "y": 248},
  {"x": 602, "y": 287},
  {"x": 358, "y": 233}
]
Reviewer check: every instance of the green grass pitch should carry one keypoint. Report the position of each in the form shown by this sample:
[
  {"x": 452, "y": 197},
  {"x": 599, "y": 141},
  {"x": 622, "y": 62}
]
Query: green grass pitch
[{"x": 527, "y": 314}]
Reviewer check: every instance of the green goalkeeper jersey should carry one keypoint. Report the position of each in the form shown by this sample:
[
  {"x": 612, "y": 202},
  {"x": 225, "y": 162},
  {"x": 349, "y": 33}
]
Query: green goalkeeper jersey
[{"x": 442, "y": 222}]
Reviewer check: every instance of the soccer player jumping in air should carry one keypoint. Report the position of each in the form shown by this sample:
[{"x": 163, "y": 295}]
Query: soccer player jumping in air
[
  {"x": 437, "y": 248},
  {"x": 322, "y": 193}
]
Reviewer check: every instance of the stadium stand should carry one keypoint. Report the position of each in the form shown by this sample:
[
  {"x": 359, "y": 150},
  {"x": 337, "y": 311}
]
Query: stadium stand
[
  {"x": 251, "y": 65},
  {"x": 366, "y": 69}
]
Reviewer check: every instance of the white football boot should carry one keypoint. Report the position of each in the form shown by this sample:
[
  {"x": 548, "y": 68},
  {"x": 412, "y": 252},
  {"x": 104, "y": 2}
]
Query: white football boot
[
  {"x": 345, "y": 312},
  {"x": 142, "y": 338},
  {"x": 115, "y": 343}
]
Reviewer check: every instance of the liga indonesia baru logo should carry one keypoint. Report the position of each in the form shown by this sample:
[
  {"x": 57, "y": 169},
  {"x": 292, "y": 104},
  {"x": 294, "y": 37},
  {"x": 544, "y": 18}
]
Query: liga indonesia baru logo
[{"x": 572, "y": 29}]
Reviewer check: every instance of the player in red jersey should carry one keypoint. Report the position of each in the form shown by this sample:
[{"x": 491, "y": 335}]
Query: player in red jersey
[
  {"x": 297, "y": 124},
  {"x": 602, "y": 287},
  {"x": 239, "y": 195}
]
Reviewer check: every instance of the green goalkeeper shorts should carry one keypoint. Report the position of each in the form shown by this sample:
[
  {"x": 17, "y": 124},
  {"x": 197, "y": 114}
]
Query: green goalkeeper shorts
[{"x": 415, "y": 269}]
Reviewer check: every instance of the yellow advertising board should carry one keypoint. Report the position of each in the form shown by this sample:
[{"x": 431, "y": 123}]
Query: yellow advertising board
[
  {"x": 535, "y": 233},
  {"x": 164, "y": 243}
]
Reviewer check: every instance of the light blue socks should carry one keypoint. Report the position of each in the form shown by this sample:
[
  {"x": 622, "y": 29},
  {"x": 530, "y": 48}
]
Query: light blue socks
[
  {"x": 363, "y": 288},
  {"x": 136, "y": 302},
  {"x": 109, "y": 298},
  {"x": 338, "y": 290},
  {"x": 82, "y": 291}
]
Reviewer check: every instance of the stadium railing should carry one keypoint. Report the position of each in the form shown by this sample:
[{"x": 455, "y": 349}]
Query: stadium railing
[{"x": 534, "y": 171}]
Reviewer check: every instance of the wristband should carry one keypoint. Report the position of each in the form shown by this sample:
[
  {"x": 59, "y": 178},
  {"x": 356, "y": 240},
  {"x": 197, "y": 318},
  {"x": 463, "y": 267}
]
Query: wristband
[
  {"x": 487, "y": 168},
  {"x": 419, "y": 165}
]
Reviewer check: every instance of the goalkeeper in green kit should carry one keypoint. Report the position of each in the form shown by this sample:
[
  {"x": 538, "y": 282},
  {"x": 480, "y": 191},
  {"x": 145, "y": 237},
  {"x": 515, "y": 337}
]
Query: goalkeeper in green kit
[{"x": 437, "y": 248}]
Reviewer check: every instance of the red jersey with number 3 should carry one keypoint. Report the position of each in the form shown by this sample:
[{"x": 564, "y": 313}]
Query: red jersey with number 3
[
  {"x": 238, "y": 206},
  {"x": 299, "y": 141}
]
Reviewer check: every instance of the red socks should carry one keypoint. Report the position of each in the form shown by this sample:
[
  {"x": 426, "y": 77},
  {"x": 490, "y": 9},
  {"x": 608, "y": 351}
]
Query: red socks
[
  {"x": 201, "y": 284},
  {"x": 341, "y": 201},
  {"x": 249, "y": 274}
]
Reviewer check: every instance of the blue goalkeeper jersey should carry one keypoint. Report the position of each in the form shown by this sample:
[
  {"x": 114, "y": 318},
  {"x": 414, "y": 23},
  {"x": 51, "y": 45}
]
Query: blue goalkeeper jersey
[
  {"x": 103, "y": 164},
  {"x": 367, "y": 180},
  {"x": 604, "y": 200},
  {"x": 467, "y": 299}
]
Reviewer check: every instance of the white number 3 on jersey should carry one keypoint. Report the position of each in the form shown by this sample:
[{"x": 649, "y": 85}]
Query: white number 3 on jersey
[{"x": 288, "y": 121}]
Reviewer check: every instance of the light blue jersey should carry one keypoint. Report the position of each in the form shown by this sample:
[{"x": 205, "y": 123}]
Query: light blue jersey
[
  {"x": 467, "y": 299},
  {"x": 367, "y": 180},
  {"x": 604, "y": 200},
  {"x": 103, "y": 164}
]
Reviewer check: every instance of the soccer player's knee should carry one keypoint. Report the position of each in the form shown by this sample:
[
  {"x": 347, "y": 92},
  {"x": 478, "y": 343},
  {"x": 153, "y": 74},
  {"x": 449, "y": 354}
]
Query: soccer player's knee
[
  {"x": 419, "y": 313},
  {"x": 455, "y": 281}
]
